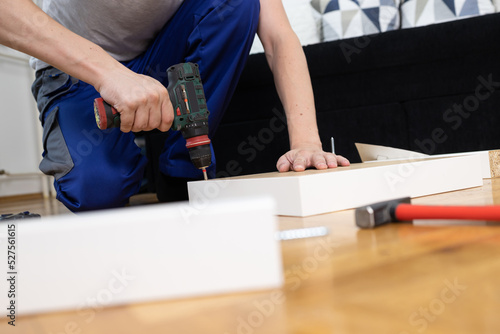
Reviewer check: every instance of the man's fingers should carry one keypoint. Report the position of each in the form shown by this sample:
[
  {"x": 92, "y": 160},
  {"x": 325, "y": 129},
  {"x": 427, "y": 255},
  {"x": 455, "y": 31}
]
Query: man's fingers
[
  {"x": 167, "y": 115},
  {"x": 324, "y": 161},
  {"x": 126, "y": 121},
  {"x": 154, "y": 119},
  {"x": 155, "y": 114},
  {"x": 166, "y": 111},
  {"x": 331, "y": 160},
  {"x": 342, "y": 161},
  {"x": 148, "y": 117},
  {"x": 141, "y": 119},
  {"x": 299, "y": 164},
  {"x": 300, "y": 160},
  {"x": 143, "y": 102},
  {"x": 283, "y": 165}
]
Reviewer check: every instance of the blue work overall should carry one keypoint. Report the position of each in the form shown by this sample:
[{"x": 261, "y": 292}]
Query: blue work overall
[{"x": 96, "y": 169}]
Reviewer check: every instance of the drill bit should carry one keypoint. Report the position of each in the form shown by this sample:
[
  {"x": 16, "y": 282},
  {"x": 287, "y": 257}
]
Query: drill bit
[{"x": 204, "y": 174}]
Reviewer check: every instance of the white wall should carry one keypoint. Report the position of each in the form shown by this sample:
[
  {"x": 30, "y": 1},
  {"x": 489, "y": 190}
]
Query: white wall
[{"x": 20, "y": 131}]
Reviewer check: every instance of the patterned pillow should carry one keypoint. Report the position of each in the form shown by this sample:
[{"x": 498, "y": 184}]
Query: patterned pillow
[
  {"x": 351, "y": 18},
  {"x": 416, "y": 13}
]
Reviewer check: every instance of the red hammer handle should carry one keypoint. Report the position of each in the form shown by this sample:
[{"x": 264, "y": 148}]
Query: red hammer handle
[{"x": 407, "y": 212}]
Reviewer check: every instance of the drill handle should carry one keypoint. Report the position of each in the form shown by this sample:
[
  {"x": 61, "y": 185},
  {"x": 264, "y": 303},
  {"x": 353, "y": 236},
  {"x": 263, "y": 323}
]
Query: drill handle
[
  {"x": 186, "y": 94},
  {"x": 106, "y": 116}
]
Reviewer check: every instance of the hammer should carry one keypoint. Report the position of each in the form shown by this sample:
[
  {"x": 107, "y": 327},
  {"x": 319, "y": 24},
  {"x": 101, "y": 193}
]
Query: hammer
[{"x": 401, "y": 210}]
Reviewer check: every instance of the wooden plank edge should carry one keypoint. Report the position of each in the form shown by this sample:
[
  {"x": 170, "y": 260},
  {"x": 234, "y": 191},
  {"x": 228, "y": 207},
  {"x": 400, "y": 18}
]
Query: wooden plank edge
[{"x": 494, "y": 158}]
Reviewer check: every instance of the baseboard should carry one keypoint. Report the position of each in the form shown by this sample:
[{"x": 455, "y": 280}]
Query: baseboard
[
  {"x": 18, "y": 185},
  {"x": 20, "y": 198}
]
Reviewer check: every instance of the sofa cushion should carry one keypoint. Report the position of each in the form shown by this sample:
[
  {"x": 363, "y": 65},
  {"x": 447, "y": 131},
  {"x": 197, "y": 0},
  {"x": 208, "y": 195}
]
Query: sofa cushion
[
  {"x": 415, "y": 13},
  {"x": 351, "y": 18}
]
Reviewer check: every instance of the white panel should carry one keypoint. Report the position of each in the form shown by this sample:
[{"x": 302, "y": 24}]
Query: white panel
[
  {"x": 370, "y": 153},
  {"x": 348, "y": 187},
  {"x": 19, "y": 151},
  {"x": 147, "y": 253}
]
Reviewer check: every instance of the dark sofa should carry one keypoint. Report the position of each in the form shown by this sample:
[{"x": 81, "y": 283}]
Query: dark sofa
[{"x": 433, "y": 89}]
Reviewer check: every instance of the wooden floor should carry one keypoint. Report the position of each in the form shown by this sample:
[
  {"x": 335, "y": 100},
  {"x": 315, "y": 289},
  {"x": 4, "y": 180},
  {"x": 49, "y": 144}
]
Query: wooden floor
[
  {"x": 50, "y": 206},
  {"x": 427, "y": 277}
]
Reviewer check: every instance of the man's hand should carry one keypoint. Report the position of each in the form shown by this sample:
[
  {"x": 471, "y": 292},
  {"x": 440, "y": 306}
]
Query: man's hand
[
  {"x": 309, "y": 156},
  {"x": 143, "y": 102}
]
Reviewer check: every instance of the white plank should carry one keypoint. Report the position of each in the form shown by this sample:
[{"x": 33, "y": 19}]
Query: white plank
[
  {"x": 370, "y": 153},
  {"x": 484, "y": 157},
  {"x": 141, "y": 254},
  {"x": 315, "y": 192}
]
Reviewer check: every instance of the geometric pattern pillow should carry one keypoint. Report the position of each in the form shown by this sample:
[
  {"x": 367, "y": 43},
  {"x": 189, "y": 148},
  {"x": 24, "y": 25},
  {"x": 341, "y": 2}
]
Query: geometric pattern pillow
[
  {"x": 352, "y": 18},
  {"x": 416, "y": 13}
]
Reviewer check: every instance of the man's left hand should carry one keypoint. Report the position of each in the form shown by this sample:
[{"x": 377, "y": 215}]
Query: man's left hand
[{"x": 299, "y": 159}]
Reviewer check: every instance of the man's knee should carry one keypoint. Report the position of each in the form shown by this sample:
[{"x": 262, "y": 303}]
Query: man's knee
[
  {"x": 90, "y": 189},
  {"x": 78, "y": 198}
]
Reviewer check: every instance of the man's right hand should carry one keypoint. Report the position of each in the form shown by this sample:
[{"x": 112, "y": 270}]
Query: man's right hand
[{"x": 142, "y": 101}]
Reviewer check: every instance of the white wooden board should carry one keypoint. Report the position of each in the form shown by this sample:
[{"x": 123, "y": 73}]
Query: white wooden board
[
  {"x": 141, "y": 254},
  {"x": 315, "y": 192},
  {"x": 370, "y": 153}
]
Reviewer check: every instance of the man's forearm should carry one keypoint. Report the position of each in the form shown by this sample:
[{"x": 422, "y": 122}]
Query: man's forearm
[
  {"x": 289, "y": 66},
  {"x": 26, "y": 28},
  {"x": 291, "y": 75},
  {"x": 143, "y": 102}
]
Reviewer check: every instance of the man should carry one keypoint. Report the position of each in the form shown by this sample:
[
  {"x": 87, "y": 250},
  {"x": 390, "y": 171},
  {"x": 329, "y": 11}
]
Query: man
[{"x": 120, "y": 50}]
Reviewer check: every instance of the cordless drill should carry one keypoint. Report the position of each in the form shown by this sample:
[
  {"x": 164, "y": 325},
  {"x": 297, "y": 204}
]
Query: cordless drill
[{"x": 190, "y": 112}]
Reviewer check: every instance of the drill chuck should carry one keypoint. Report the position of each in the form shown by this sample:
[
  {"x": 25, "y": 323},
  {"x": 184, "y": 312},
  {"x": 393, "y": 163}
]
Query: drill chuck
[
  {"x": 199, "y": 151},
  {"x": 201, "y": 156}
]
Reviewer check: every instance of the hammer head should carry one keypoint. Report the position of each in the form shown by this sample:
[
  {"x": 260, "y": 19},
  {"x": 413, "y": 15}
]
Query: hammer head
[{"x": 373, "y": 215}]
